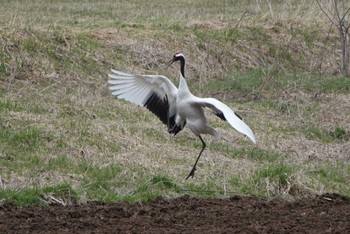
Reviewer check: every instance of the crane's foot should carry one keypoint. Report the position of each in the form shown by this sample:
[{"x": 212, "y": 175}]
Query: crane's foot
[{"x": 191, "y": 173}]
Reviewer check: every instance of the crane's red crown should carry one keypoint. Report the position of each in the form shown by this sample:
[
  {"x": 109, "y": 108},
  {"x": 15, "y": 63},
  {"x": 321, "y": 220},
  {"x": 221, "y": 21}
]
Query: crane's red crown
[{"x": 178, "y": 54}]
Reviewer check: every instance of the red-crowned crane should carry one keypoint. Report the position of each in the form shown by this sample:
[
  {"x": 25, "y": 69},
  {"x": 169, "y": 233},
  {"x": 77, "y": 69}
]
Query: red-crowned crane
[{"x": 175, "y": 106}]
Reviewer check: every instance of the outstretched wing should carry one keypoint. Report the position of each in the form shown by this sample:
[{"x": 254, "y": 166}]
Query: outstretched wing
[
  {"x": 226, "y": 113},
  {"x": 155, "y": 92}
]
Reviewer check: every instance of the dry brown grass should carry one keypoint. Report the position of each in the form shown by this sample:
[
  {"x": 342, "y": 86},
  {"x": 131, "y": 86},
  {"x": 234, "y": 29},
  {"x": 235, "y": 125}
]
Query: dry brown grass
[{"x": 58, "y": 86}]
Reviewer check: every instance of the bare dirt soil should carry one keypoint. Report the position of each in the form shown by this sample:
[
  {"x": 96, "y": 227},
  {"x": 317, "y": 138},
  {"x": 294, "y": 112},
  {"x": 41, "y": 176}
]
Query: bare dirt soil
[{"x": 328, "y": 213}]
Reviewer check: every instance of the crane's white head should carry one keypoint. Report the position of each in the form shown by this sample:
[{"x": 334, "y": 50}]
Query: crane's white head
[{"x": 177, "y": 57}]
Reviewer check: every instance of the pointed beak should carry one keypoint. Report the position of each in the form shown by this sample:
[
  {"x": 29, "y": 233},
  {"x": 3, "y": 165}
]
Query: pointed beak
[{"x": 169, "y": 63}]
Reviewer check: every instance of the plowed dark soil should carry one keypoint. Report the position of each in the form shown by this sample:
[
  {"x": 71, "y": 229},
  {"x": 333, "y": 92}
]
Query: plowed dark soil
[{"x": 329, "y": 213}]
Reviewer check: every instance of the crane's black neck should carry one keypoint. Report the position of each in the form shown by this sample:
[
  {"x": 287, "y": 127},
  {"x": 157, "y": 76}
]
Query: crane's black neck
[{"x": 182, "y": 66}]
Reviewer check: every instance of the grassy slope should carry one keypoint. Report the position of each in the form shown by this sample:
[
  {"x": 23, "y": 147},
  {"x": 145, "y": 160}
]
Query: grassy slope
[{"x": 63, "y": 138}]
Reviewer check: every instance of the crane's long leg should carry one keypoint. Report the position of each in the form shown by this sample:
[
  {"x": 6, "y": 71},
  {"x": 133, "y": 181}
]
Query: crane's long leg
[{"x": 195, "y": 164}]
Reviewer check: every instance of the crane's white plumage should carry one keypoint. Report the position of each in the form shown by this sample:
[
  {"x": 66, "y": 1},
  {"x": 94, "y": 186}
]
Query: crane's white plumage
[
  {"x": 230, "y": 116},
  {"x": 137, "y": 88},
  {"x": 174, "y": 106}
]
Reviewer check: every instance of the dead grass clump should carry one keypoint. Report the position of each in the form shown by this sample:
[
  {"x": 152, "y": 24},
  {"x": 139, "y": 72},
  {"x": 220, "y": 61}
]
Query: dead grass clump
[
  {"x": 111, "y": 37},
  {"x": 206, "y": 24}
]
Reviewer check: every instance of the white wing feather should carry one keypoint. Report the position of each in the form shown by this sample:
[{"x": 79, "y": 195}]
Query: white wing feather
[
  {"x": 138, "y": 88},
  {"x": 229, "y": 114}
]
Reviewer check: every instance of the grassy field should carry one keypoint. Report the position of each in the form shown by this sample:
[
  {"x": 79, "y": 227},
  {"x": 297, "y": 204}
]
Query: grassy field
[{"x": 65, "y": 139}]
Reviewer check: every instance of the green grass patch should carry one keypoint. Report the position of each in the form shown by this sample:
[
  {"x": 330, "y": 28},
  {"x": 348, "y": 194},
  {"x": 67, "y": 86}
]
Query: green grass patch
[
  {"x": 251, "y": 153},
  {"x": 2, "y": 92},
  {"x": 38, "y": 196},
  {"x": 154, "y": 133},
  {"x": 8, "y": 105},
  {"x": 256, "y": 154},
  {"x": 208, "y": 188},
  {"x": 156, "y": 186},
  {"x": 337, "y": 84},
  {"x": 241, "y": 84},
  {"x": 59, "y": 163},
  {"x": 158, "y": 183},
  {"x": 258, "y": 82},
  {"x": 270, "y": 180},
  {"x": 321, "y": 83},
  {"x": 25, "y": 139},
  {"x": 334, "y": 176},
  {"x": 286, "y": 108},
  {"x": 278, "y": 173},
  {"x": 336, "y": 134},
  {"x": 98, "y": 182}
]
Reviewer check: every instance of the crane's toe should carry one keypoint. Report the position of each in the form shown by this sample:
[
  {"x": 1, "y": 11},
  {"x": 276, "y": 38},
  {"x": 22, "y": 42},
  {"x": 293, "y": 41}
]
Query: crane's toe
[{"x": 191, "y": 173}]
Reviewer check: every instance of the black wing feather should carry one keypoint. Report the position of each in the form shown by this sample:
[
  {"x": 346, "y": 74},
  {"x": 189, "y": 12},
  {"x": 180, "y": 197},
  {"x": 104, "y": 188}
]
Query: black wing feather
[
  {"x": 160, "y": 107},
  {"x": 221, "y": 116}
]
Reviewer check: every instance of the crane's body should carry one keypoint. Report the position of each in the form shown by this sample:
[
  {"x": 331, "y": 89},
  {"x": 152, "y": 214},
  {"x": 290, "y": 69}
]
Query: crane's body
[
  {"x": 175, "y": 107},
  {"x": 190, "y": 109}
]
